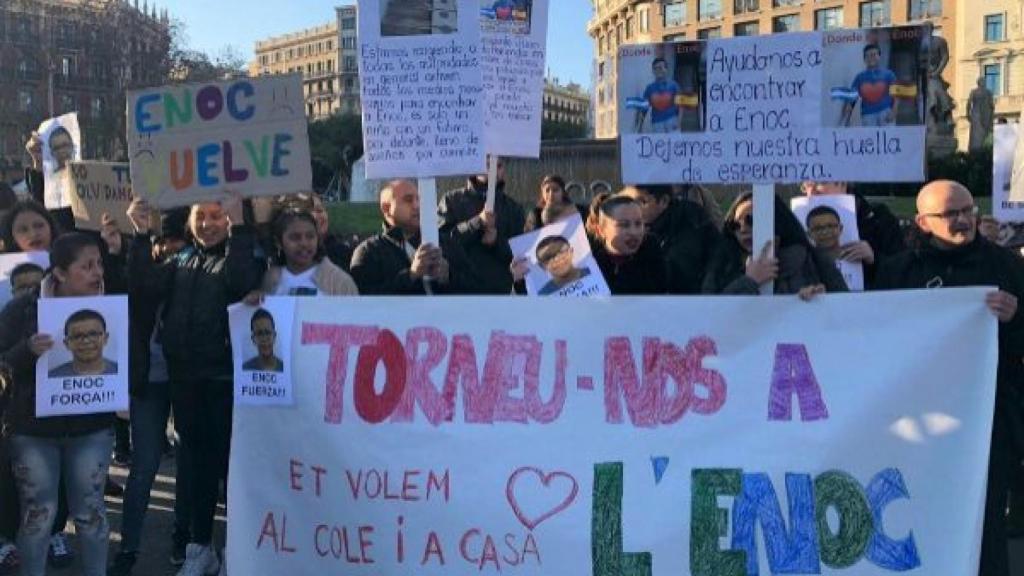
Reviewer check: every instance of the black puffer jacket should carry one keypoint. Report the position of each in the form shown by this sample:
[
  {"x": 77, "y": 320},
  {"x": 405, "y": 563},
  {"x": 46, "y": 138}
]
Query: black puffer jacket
[
  {"x": 381, "y": 266},
  {"x": 881, "y": 230},
  {"x": 687, "y": 241},
  {"x": 640, "y": 273},
  {"x": 17, "y": 324},
  {"x": 459, "y": 215},
  {"x": 195, "y": 287}
]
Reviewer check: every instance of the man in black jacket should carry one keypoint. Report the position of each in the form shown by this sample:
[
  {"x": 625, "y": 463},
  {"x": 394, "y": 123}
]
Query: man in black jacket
[
  {"x": 482, "y": 235},
  {"x": 683, "y": 234},
  {"x": 954, "y": 254},
  {"x": 395, "y": 262},
  {"x": 880, "y": 235}
]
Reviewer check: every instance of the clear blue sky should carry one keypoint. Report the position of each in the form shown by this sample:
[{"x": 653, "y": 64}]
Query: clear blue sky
[{"x": 212, "y": 25}]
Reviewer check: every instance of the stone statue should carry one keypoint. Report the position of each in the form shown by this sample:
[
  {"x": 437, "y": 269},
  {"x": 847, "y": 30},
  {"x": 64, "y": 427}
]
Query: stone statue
[
  {"x": 980, "y": 113},
  {"x": 940, "y": 103}
]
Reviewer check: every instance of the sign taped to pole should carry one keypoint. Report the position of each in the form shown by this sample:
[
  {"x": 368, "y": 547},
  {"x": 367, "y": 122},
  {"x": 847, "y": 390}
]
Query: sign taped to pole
[{"x": 541, "y": 438}]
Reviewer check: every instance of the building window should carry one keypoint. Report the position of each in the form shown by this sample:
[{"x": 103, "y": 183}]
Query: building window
[
  {"x": 994, "y": 28},
  {"x": 994, "y": 78},
  {"x": 828, "y": 19},
  {"x": 348, "y": 24},
  {"x": 24, "y": 101},
  {"x": 645, "y": 21},
  {"x": 629, "y": 28},
  {"x": 787, "y": 23},
  {"x": 921, "y": 9},
  {"x": 744, "y": 6},
  {"x": 675, "y": 14},
  {"x": 874, "y": 14},
  {"x": 330, "y": 45},
  {"x": 709, "y": 9},
  {"x": 786, "y": 3},
  {"x": 675, "y": 37},
  {"x": 97, "y": 107},
  {"x": 65, "y": 66},
  {"x": 350, "y": 63},
  {"x": 350, "y": 83},
  {"x": 67, "y": 103},
  {"x": 709, "y": 33},
  {"x": 746, "y": 29},
  {"x": 348, "y": 43}
]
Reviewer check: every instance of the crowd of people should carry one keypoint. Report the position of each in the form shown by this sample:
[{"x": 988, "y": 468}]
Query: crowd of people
[{"x": 182, "y": 268}]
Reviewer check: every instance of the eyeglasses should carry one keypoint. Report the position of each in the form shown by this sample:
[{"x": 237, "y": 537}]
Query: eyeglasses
[
  {"x": 94, "y": 335},
  {"x": 262, "y": 333},
  {"x": 823, "y": 228},
  {"x": 951, "y": 215},
  {"x": 565, "y": 249}
]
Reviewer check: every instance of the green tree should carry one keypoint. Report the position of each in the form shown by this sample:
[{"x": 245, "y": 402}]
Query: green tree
[
  {"x": 554, "y": 130},
  {"x": 334, "y": 144}
]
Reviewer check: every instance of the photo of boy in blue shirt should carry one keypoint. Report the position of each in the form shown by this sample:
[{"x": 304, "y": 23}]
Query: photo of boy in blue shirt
[
  {"x": 660, "y": 96},
  {"x": 873, "y": 89}
]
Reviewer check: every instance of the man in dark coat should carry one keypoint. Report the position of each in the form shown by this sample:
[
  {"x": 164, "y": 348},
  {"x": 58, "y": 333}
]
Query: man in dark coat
[
  {"x": 954, "y": 254},
  {"x": 482, "y": 235}
]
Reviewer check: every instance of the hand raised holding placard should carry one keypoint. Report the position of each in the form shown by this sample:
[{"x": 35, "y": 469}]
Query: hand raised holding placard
[
  {"x": 138, "y": 214},
  {"x": 232, "y": 206},
  {"x": 34, "y": 147},
  {"x": 765, "y": 267},
  {"x": 40, "y": 344},
  {"x": 110, "y": 234}
]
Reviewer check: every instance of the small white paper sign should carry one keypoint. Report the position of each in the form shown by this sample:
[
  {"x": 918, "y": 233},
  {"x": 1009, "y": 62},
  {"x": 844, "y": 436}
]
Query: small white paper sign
[
  {"x": 8, "y": 262},
  {"x": 829, "y": 234},
  {"x": 86, "y": 371},
  {"x": 259, "y": 343},
  {"x": 62, "y": 145},
  {"x": 561, "y": 263},
  {"x": 1008, "y": 173}
]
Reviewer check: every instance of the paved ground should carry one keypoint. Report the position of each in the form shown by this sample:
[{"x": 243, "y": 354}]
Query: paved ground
[{"x": 156, "y": 541}]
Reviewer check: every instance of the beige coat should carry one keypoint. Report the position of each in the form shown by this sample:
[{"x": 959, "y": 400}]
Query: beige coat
[{"x": 329, "y": 279}]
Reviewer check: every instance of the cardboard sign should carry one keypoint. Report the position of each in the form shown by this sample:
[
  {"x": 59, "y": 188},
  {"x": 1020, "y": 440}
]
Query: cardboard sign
[
  {"x": 1008, "y": 173},
  {"x": 514, "y": 41},
  {"x": 193, "y": 142},
  {"x": 422, "y": 97},
  {"x": 260, "y": 337},
  {"x": 561, "y": 263},
  {"x": 86, "y": 372},
  {"x": 8, "y": 263},
  {"x": 622, "y": 436},
  {"x": 99, "y": 188},
  {"x": 62, "y": 145},
  {"x": 842, "y": 105},
  {"x": 832, "y": 226}
]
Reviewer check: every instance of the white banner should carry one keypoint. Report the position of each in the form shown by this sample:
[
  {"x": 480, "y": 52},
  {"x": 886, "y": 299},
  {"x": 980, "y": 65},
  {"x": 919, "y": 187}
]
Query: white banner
[
  {"x": 514, "y": 40},
  {"x": 844, "y": 105},
  {"x": 420, "y": 82},
  {"x": 193, "y": 142},
  {"x": 1008, "y": 173},
  {"x": 86, "y": 371},
  {"x": 622, "y": 437}
]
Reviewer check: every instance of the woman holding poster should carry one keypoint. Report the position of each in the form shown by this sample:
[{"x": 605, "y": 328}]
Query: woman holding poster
[
  {"x": 221, "y": 264},
  {"x": 794, "y": 265},
  {"x": 630, "y": 264},
  {"x": 69, "y": 450}
]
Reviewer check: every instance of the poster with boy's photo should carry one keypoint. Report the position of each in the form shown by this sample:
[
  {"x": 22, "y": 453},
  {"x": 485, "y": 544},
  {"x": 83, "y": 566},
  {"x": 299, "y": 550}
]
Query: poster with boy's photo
[
  {"x": 831, "y": 223},
  {"x": 86, "y": 371},
  {"x": 21, "y": 273},
  {"x": 875, "y": 77},
  {"x": 561, "y": 263},
  {"x": 261, "y": 339},
  {"x": 418, "y": 18},
  {"x": 507, "y": 16},
  {"x": 1008, "y": 173},
  {"x": 62, "y": 145},
  {"x": 662, "y": 88}
]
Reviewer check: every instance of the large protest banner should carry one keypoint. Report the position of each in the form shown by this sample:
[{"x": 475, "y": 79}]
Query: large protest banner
[
  {"x": 570, "y": 436},
  {"x": 842, "y": 105},
  {"x": 99, "y": 188},
  {"x": 514, "y": 41},
  {"x": 420, "y": 83},
  {"x": 193, "y": 142},
  {"x": 1008, "y": 173}
]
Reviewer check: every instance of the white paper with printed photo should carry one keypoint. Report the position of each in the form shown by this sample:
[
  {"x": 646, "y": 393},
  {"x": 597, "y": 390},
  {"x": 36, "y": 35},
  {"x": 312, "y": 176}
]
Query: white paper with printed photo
[
  {"x": 564, "y": 250},
  {"x": 8, "y": 262},
  {"x": 1008, "y": 173},
  {"x": 845, "y": 206},
  {"x": 259, "y": 344},
  {"x": 86, "y": 371},
  {"x": 842, "y": 105},
  {"x": 62, "y": 145},
  {"x": 514, "y": 47},
  {"x": 421, "y": 88}
]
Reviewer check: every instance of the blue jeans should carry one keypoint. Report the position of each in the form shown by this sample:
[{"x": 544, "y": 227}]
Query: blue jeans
[
  {"x": 149, "y": 435},
  {"x": 39, "y": 465}
]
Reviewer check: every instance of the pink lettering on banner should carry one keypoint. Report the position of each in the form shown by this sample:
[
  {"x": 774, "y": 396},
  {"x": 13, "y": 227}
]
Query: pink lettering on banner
[
  {"x": 372, "y": 407},
  {"x": 420, "y": 390},
  {"x": 340, "y": 338},
  {"x": 463, "y": 372}
]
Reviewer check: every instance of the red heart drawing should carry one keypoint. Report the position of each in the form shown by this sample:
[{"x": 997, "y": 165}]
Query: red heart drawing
[
  {"x": 545, "y": 479},
  {"x": 874, "y": 92},
  {"x": 661, "y": 101},
  {"x": 504, "y": 13}
]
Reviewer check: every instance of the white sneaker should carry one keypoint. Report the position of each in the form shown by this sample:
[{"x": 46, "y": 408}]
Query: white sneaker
[{"x": 199, "y": 561}]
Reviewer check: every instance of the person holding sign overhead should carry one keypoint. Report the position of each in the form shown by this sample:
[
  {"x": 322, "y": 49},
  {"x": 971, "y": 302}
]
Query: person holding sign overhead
[
  {"x": 220, "y": 265},
  {"x": 69, "y": 450},
  {"x": 482, "y": 234},
  {"x": 794, "y": 265}
]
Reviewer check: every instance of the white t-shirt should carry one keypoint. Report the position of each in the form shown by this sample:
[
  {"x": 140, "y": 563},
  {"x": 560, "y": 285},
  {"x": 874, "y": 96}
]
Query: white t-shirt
[{"x": 297, "y": 284}]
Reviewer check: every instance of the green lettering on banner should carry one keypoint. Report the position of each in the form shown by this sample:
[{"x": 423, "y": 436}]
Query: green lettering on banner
[
  {"x": 708, "y": 523},
  {"x": 261, "y": 159},
  {"x": 842, "y": 491},
  {"x": 606, "y": 527},
  {"x": 175, "y": 112}
]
